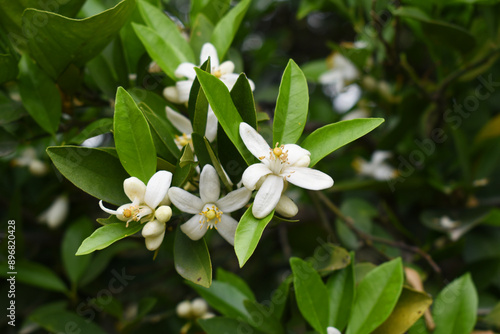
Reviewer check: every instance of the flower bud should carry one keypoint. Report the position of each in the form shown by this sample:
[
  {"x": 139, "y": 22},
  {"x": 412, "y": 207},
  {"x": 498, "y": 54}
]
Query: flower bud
[
  {"x": 153, "y": 243},
  {"x": 134, "y": 188},
  {"x": 56, "y": 213},
  {"x": 184, "y": 309},
  {"x": 163, "y": 213},
  {"x": 199, "y": 307},
  {"x": 38, "y": 168},
  {"x": 153, "y": 228},
  {"x": 171, "y": 94},
  {"x": 286, "y": 207}
]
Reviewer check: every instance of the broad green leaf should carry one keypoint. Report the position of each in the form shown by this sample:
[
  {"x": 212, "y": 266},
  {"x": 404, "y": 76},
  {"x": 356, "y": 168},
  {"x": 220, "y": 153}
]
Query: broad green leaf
[
  {"x": 192, "y": 259},
  {"x": 201, "y": 150},
  {"x": 103, "y": 125},
  {"x": 220, "y": 100},
  {"x": 162, "y": 136},
  {"x": 200, "y": 32},
  {"x": 340, "y": 286},
  {"x": 331, "y": 137},
  {"x": 226, "y": 28},
  {"x": 34, "y": 274},
  {"x": 236, "y": 281},
  {"x": 220, "y": 325},
  {"x": 218, "y": 167},
  {"x": 243, "y": 100},
  {"x": 290, "y": 115},
  {"x": 329, "y": 257},
  {"x": 279, "y": 298},
  {"x": 40, "y": 95},
  {"x": 8, "y": 68},
  {"x": 410, "y": 307},
  {"x": 161, "y": 23},
  {"x": 133, "y": 140},
  {"x": 94, "y": 171},
  {"x": 62, "y": 41},
  {"x": 376, "y": 297},
  {"x": 455, "y": 309},
  {"x": 106, "y": 235},
  {"x": 75, "y": 266},
  {"x": 311, "y": 294},
  {"x": 164, "y": 53},
  {"x": 101, "y": 73},
  {"x": 198, "y": 104},
  {"x": 262, "y": 318},
  {"x": 248, "y": 234},
  {"x": 213, "y": 10}
]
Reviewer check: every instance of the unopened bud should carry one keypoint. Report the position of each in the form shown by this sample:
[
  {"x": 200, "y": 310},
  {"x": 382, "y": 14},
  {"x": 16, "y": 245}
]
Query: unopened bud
[
  {"x": 163, "y": 213},
  {"x": 184, "y": 309},
  {"x": 199, "y": 307}
]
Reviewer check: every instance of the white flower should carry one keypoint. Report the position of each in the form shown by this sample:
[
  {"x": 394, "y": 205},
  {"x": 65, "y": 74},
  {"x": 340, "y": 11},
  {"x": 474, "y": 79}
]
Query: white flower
[
  {"x": 183, "y": 124},
  {"x": 342, "y": 72},
  {"x": 279, "y": 164},
  {"x": 29, "y": 158},
  {"x": 180, "y": 92},
  {"x": 149, "y": 204},
  {"x": 209, "y": 210},
  {"x": 376, "y": 167},
  {"x": 333, "y": 330},
  {"x": 56, "y": 213}
]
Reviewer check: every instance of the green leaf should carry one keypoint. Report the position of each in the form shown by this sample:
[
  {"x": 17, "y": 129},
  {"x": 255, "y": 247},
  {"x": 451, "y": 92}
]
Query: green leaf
[
  {"x": 340, "y": 286},
  {"x": 93, "y": 170},
  {"x": 101, "y": 126},
  {"x": 248, "y": 234},
  {"x": 220, "y": 100},
  {"x": 164, "y": 53},
  {"x": 243, "y": 100},
  {"x": 331, "y": 137},
  {"x": 8, "y": 68},
  {"x": 192, "y": 259},
  {"x": 35, "y": 274},
  {"x": 226, "y": 28},
  {"x": 198, "y": 104},
  {"x": 40, "y": 95},
  {"x": 292, "y": 105},
  {"x": 220, "y": 325},
  {"x": 133, "y": 140},
  {"x": 311, "y": 294},
  {"x": 455, "y": 309},
  {"x": 410, "y": 307},
  {"x": 376, "y": 297},
  {"x": 236, "y": 281},
  {"x": 165, "y": 27},
  {"x": 262, "y": 318},
  {"x": 214, "y": 10},
  {"x": 329, "y": 257},
  {"x": 218, "y": 167},
  {"x": 75, "y": 266},
  {"x": 62, "y": 41},
  {"x": 280, "y": 297},
  {"x": 106, "y": 235},
  {"x": 184, "y": 172},
  {"x": 201, "y": 31}
]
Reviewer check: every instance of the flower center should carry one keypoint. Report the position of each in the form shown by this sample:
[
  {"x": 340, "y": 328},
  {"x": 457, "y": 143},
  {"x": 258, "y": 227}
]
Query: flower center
[
  {"x": 211, "y": 216},
  {"x": 182, "y": 140},
  {"x": 217, "y": 73},
  {"x": 136, "y": 213},
  {"x": 278, "y": 158}
]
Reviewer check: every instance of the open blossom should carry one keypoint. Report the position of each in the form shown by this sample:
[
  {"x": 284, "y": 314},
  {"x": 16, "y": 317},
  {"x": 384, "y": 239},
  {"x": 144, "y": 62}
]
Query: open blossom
[
  {"x": 376, "y": 167},
  {"x": 333, "y": 330},
  {"x": 183, "y": 124},
  {"x": 180, "y": 92},
  {"x": 209, "y": 211},
  {"x": 281, "y": 164},
  {"x": 148, "y": 204},
  {"x": 342, "y": 72}
]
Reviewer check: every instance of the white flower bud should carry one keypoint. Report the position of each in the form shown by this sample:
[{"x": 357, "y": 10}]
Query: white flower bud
[
  {"x": 38, "y": 168},
  {"x": 153, "y": 228},
  {"x": 171, "y": 94},
  {"x": 56, "y": 213},
  {"x": 134, "y": 189},
  {"x": 184, "y": 309},
  {"x": 153, "y": 243},
  {"x": 199, "y": 307},
  {"x": 286, "y": 207},
  {"x": 163, "y": 213}
]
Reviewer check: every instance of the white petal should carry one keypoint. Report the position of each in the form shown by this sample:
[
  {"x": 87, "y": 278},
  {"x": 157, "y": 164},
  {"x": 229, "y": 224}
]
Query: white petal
[
  {"x": 208, "y": 50},
  {"x": 252, "y": 175},
  {"x": 383, "y": 172},
  {"x": 185, "y": 201},
  {"x": 229, "y": 80},
  {"x": 183, "y": 90},
  {"x": 171, "y": 94},
  {"x": 295, "y": 153},
  {"x": 268, "y": 196},
  {"x": 379, "y": 156},
  {"x": 135, "y": 189},
  {"x": 254, "y": 142},
  {"x": 186, "y": 70},
  {"x": 286, "y": 207},
  {"x": 193, "y": 229},
  {"x": 303, "y": 162},
  {"x": 157, "y": 188},
  {"x": 153, "y": 229},
  {"x": 209, "y": 185},
  {"x": 181, "y": 122},
  {"x": 56, "y": 213},
  {"x": 234, "y": 200},
  {"x": 211, "y": 128},
  {"x": 333, "y": 330},
  {"x": 226, "y": 67},
  {"x": 227, "y": 228},
  {"x": 252, "y": 85},
  {"x": 308, "y": 178},
  {"x": 118, "y": 212},
  {"x": 153, "y": 243}
]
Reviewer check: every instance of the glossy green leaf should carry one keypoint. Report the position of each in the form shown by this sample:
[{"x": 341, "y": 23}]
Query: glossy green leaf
[
  {"x": 376, "y": 297},
  {"x": 35, "y": 274},
  {"x": 311, "y": 294},
  {"x": 101, "y": 126},
  {"x": 340, "y": 286},
  {"x": 198, "y": 104},
  {"x": 108, "y": 234},
  {"x": 290, "y": 115},
  {"x": 94, "y": 171},
  {"x": 226, "y": 28},
  {"x": 220, "y": 100},
  {"x": 218, "y": 167},
  {"x": 243, "y": 100},
  {"x": 163, "y": 137},
  {"x": 220, "y": 325},
  {"x": 201, "y": 150},
  {"x": 248, "y": 234},
  {"x": 329, "y": 257},
  {"x": 133, "y": 140},
  {"x": 75, "y": 266},
  {"x": 156, "y": 19},
  {"x": 455, "y": 309},
  {"x": 192, "y": 259},
  {"x": 236, "y": 281},
  {"x": 40, "y": 95},
  {"x": 200, "y": 32},
  {"x": 331, "y": 137},
  {"x": 410, "y": 307},
  {"x": 62, "y": 41}
]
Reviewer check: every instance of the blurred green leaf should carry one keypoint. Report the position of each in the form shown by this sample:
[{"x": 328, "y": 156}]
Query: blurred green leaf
[
  {"x": 329, "y": 257},
  {"x": 340, "y": 286},
  {"x": 34, "y": 274},
  {"x": 248, "y": 234},
  {"x": 8, "y": 68},
  {"x": 201, "y": 31},
  {"x": 192, "y": 259},
  {"x": 40, "y": 95},
  {"x": 292, "y": 105},
  {"x": 106, "y": 235},
  {"x": 220, "y": 325},
  {"x": 236, "y": 281},
  {"x": 94, "y": 171},
  {"x": 75, "y": 266},
  {"x": 265, "y": 320},
  {"x": 214, "y": 10},
  {"x": 101, "y": 126}
]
